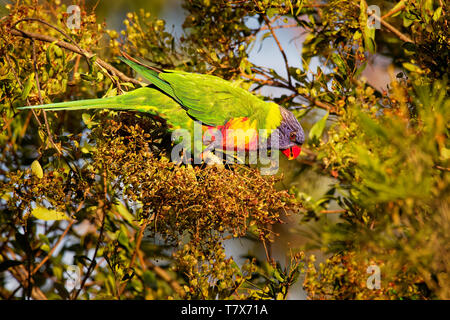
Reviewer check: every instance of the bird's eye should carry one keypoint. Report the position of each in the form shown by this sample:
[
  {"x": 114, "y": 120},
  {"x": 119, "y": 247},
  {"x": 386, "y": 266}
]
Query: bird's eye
[{"x": 293, "y": 136}]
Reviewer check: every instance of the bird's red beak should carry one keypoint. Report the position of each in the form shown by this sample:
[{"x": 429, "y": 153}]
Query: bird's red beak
[{"x": 292, "y": 152}]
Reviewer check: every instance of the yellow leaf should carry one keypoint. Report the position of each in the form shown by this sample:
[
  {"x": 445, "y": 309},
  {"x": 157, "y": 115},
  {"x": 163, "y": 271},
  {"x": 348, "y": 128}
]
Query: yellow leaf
[
  {"x": 37, "y": 169},
  {"x": 47, "y": 214},
  {"x": 411, "y": 67}
]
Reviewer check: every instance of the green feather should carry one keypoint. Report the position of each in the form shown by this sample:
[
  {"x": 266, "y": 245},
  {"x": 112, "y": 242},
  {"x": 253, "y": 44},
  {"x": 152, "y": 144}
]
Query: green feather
[
  {"x": 147, "y": 100},
  {"x": 206, "y": 98},
  {"x": 209, "y": 99},
  {"x": 152, "y": 76}
]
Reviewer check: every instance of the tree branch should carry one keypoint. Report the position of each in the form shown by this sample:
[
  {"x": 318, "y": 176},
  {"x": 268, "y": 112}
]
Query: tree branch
[
  {"x": 133, "y": 257},
  {"x": 165, "y": 276},
  {"x": 391, "y": 28},
  {"x": 333, "y": 211},
  {"x": 391, "y": 12},
  {"x": 73, "y": 48},
  {"x": 36, "y": 269},
  {"x": 286, "y": 63},
  {"x": 101, "y": 208}
]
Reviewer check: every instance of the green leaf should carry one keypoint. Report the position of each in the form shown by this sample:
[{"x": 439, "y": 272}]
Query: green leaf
[
  {"x": 278, "y": 276},
  {"x": 294, "y": 275},
  {"x": 360, "y": 70},
  {"x": 86, "y": 117},
  {"x": 408, "y": 19},
  {"x": 123, "y": 211},
  {"x": 398, "y": 5},
  {"x": 337, "y": 60},
  {"x": 57, "y": 50},
  {"x": 123, "y": 239},
  {"x": 44, "y": 238},
  {"x": 150, "y": 279},
  {"x": 317, "y": 129},
  {"x": 437, "y": 14},
  {"x": 129, "y": 274},
  {"x": 291, "y": 7},
  {"x": 48, "y": 214},
  {"x": 299, "y": 10},
  {"x": 88, "y": 120},
  {"x": 363, "y": 14},
  {"x": 357, "y": 35},
  {"x": 371, "y": 127},
  {"x": 236, "y": 267},
  {"x": 271, "y": 12},
  {"x": 368, "y": 33},
  {"x": 369, "y": 39},
  {"x": 41, "y": 135},
  {"x": 411, "y": 67},
  {"x": 28, "y": 86},
  {"x": 300, "y": 113},
  {"x": 87, "y": 77},
  {"x": 37, "y": 169},
  {"x": 280, "y": 296},
  {"x": 410, "y": 46}
]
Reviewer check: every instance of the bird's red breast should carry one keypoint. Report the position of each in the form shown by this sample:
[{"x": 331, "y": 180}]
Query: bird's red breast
[
  {"x": 237, "y": 134},
  {"x": 241, "y": 134}
]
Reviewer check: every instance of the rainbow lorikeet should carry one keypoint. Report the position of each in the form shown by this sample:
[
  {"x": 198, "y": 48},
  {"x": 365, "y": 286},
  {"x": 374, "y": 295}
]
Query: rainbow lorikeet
[{"x": 181, "y": 98}]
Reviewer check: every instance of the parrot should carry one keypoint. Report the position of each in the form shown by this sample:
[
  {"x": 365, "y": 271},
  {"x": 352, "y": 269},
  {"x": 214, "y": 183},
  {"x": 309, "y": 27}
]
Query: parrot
[{"x": 182, "y": 98}]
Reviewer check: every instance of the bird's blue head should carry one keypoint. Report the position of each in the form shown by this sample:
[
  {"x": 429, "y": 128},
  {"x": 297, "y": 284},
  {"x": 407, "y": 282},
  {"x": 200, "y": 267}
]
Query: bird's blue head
[{"x": 290, "y": 135}]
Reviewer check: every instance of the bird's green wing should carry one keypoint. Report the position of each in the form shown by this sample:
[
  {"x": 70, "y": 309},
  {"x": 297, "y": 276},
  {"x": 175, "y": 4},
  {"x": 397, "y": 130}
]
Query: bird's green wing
[
  {"x": 153, "y": 76},
  {"x": 210, "y": 99}
]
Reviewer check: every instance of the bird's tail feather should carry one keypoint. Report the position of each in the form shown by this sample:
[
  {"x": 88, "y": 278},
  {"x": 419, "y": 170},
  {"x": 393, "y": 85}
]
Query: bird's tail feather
[
  {"x": 103, "y": 103},
  {"x": 144, "y": 99}
]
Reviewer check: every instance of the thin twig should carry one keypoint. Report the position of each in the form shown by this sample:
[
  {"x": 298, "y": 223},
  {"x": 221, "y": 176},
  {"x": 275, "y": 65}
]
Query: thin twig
[
  {"x": 101, "y": 208},
  {"x": 93, "y": 262},
  {"x": 268, "y": 254},
  {"x": 71, "y": 47},
  {"x": 391, "y": 12},
  {"x": 391, "y": 28},
  {"x": 21, "y": 275},
  {"x": 284, "y": 26},
  {"x": 163, "y": 275},
  {"x": 133, "y": 257},
  {"x": 316, "y": 102},
  {"x": 53, "y": 27},
  {"x": 20, "y": 84},
  {"x": 41, "y": 101},
  {"x": 36, "y": 269},
  {"x": 286, "y": 63},
  {"x": 28, "y": 259},
  {"x": 333, "y": 211},
  {"x": 441, "y": 168}
]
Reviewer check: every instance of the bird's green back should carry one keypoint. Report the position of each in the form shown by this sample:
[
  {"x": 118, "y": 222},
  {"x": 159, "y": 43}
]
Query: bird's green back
[{"x": 210, "y": 99}]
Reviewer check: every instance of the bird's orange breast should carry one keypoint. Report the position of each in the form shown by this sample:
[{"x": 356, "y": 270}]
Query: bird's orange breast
[{"x": 236, "y": 134}]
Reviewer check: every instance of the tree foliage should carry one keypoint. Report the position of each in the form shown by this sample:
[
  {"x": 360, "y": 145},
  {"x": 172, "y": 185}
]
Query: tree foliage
[{"x": 97, "y": 190}]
